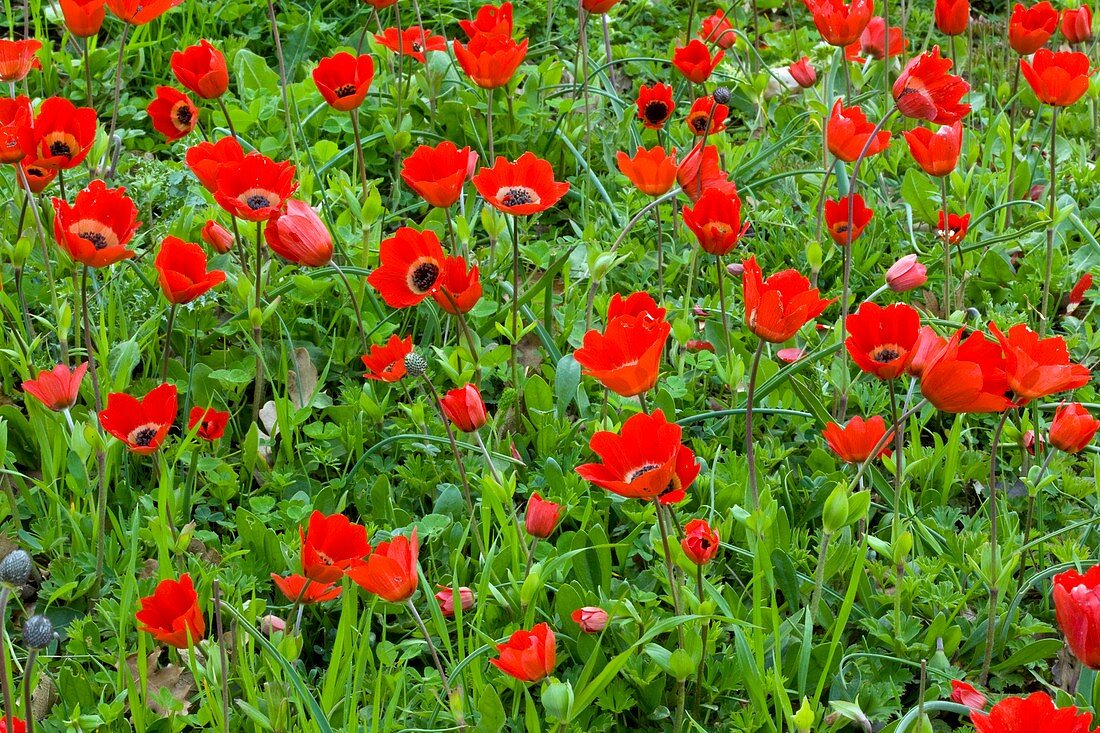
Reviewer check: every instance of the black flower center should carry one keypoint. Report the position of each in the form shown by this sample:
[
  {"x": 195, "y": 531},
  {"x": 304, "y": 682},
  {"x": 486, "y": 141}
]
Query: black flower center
[
  {"x": 257, "y": 202},
  {"x": 60, "y": 147},
  {"x": 656, "y": 112},
  {"x": 144, "y": 436},
  {"x": 704, "y": 543},
  {"x": 641, "y": 471},
  {"x": 183, "y": 115},
  {"x": 699, "y": 123},
  {"x": 885, "y": 354},
  {"x": 425, "y": 275},
  {"x": 345, "y": 91},
  {"x": 416, "y": 47},
  {"x": 98, "y": 240},
  {"x": 517, "y": 197}
]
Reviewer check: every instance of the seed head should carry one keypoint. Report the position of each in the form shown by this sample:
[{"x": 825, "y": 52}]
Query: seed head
[
  {"x": 37, "y": 632},
  {"x": 15, "y": 568},
  {"x": 415, "y": 364}
]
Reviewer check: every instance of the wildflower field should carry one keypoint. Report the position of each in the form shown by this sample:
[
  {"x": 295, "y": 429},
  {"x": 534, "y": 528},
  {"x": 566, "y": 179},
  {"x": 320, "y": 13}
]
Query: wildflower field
[{"x": 613, "y": 365}]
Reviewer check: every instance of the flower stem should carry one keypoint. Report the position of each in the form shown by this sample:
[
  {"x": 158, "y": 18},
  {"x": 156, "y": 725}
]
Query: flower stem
[
  {"x": 435, "y": 658},
  {"x": 5, "y": 683},
  {"x": 948, "y": 296},
  {"x": 515, "y": 305},
  {"x": 722, "y": 300},
  {"x": 489, "y": 125},
  {"x": 750, "y": 456},
  {"x": 819, "y": 573},
  {"x": 168, "y": 342},
  {"x": 660, "y": 251},
  {"x": 101, "y": 458},
  {"x": 895, "y": 528},
  {"x": 1052, "y": 202},
  {"x": 87, "y": 75},
  {"x": 28, "y": 678},
  {"x": 277, "y": 40},
  {"x": 257, "y": 328},
  {"x": 361, "y": 161},
  {"x": 669, "y": 568},
  {"x": 223, "y": 657},
  {"x": 488, "y": 458},
  {"x": 228, "y": 119},
  {"x": 118, "y": 81},
  {"x": 994, "y": 559},
  {"x": 354, "y": 305}
]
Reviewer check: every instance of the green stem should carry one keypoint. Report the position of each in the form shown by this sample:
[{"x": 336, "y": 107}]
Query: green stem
[
  {"x": 750, "y": 455},
  {"x": 168, "y": 342},
  {"x": 948, "y": 296},
  {"x": 1044, "y": 323},
  {"x": 994, "y": 552},
  {"x": 118, "y": 82},
  {"x": 819, "y": 573}
]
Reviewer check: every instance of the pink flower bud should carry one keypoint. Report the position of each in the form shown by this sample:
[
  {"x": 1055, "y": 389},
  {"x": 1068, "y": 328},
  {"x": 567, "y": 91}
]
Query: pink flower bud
[
  {"x": 271, "y": 624},
  {"x": 445, "y": 596},
  {"x": 217, "y": 237},
  {"x": 803, "y": 73},
  {"x": 906, "y": 274},
  {"x": 735, "y": 268},
  {"x": 591, "y": 619}
]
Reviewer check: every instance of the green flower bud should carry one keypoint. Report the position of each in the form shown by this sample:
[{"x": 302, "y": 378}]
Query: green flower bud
[
  {"x": 557, "y": 700},
  {"x": 835, "y": 515}
]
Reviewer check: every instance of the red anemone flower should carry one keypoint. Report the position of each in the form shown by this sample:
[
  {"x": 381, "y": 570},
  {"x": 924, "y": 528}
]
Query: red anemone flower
[
  {"x": 1058, "y": 79},
  {"x": 700, "y": 542},
  {"x": 57, "y": 389},
  {"x": 301, "y": 590},
  {"x": 968, "y": 695},
  {"x": 465, "y": 408},
  {"x": 707, "y": 117},
  {"x": 181, "y": 271},
  {"x": 386, "y": 363},
  {"x": 957, "y": 226},
  {"x": 838, "y": 23},
  {"x": 61, "y": 135},
  {"x": 646, "y": 461},
  {"x": 1035, "y": 713},
  {"x": 210, "y": 422},
  {"x": 626, "y": 357},
  {"x": 1037, "y": 367},
  {"x": 173, "y": 114},
  {"x": 655, "y": 105},
  {"x": 929, "y": 344},
  {"x": 635, "y": 304},
  {"x": 803, "y": 72},
  {"x": 1077, "y": 24},
  {"x": 836, "y": 219},
  {"x": 140, "y": 12},
  {"x": 937, "y": 153},
  {"x": 854, "y": 442},
  {"x": 1077, "y": 608},
  {"x": 459, "y": 288},
  {"x": 438, "y": 174},
  {"x": 695, "y": 62},
  {"x": 17, "y": 58},
  {"x": 172, "y": 614},
  {"x": 390, "y": 570},
  {"x": 344, "y": 80},
  {"x": 489, "y": 19},
  {"x": 1077, "y": 293},
  {"x": 201, "y": 69},
  {"x": 83, "y": 18},
  {"x": 926, "y": 91},
  {"x": 254, "y": 188},
  {"x": 217, "y": 236},
  {"x": 96, "y": 228},
  {"x": 776, "y": 308},
  {"x": 873, "y": 40},
  {"x": 522, "y": 188},
  {"x": 965, "y": 375},
  {"x": 716, "y": 221},
  {"x": 15, "y": 117},
  {"x": 880, "y": 339},
  {"x": 16, "y": 725},
  {"x": 952, "y": 16},
  {"x": 529, "y": 656},
  {"x": 298, "y": 235},
  {"x": 489, "y": 59},
  {"x": 541, "y": 517},
  {"x": 38, "y": 177},
  {"x": 141, "y": 424},
  {"x": 698, "y": 173},
  {"x": 1071, "y": 430},
  {"x": 598, "y": 7},
  {"x": 651, "y": 171},
  {"x": 331, "y": 545},
  {"x": 413, "y": 42},
  {"x": 1029, "y": 29},
  {"x": 205, "y": 159},
  {"x": 717, "y": 29},
  {"x": 848, "y": 131},
  {"x": 411, "y": 267}
]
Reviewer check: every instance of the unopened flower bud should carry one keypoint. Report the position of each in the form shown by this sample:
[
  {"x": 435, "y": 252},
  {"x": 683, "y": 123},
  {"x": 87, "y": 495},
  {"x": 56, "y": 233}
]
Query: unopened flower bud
[
  {"x": 721, "y": 95},
  {"x": 906, "y": 274},
  {"x": 37, "y": 632},
  {"x": 415, "y": 364},
  {"x": 15, "y": 568}
]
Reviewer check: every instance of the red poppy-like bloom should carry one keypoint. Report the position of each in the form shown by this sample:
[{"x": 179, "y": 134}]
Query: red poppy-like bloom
[
  {"x": 389, "y": 571},
  {"x": 1072, "y": 429},
  {"x": 591, "y": 619},
  {"x": 966, "y": 694},
  {"x": 542, "y": 516},
  {"x": 626, "y": 357},
  {"x": 210, "y": 422},
  {"x": 61, "y": 135},
  {"x": 926, "y": 91},
  {"x": 459, "y": 288},
  {"x": 1058, "y": 79},
  {"x": 647, "y": 461},
  {"x": 1077, "y": 294},
  {"x": 413, "y": 42},
  {"x": 698, "y": 173},
  {"x": 141, "y": 424},
  {"x": 380, "y": 4},
  {"x": 1077, "y": 608},
  {"x": 716, "y": 221},
  {"x": 655, "y": 105},
  {"x": 700, "y": 542},
  {"x": 38, "y": 177},
  {"x": 217, "y": 236},
  {"x": 651, "y": 171},
  {"x": 598, "y": 7},
  {"x": 854, "y": 442},
  {"x": 331, "y": 545},
  {"x": 776, "y": 308},
  {"x": 83, "y": 18},
  {"x": 695, "y": 62},
  {"x": 201, "y": 69},
  {"x": 206, "y": 159},
  {"x": 528, "y": 656},
  {"x": 1077, "y": 24},
  {"x": 181, "y": 271},
  {"x": 172, "y": 614},
  {"x": 1035, "y": 713},
  {"x": 880, "y": 339},
  {"x": 17, "y": 58},
  {"x": 906, "y": 274},
  {"x": 15, "y": 116},
  {"x": 437, "y": 174},
  {"x": 717, "y": 29},
  {"x": 1029, "y": 29},
  {"x": 965, "y": 375},
  {"x": 57, "y": 389},
  {"x": 1037, "y": 367},
  {"x": 96, "y": 228},
  {"x": 490, "y": 59},
  {"x": 957, "y": 227},
  {"x": 15, "y": 726},
  {"x": 704, "y": 110},
  {"x": 297, "y": 234},
  {"x": 173, "y": 114},
  {"x": 411, "y": 267},
  {"x": 446, "y": 598},
  {"x": 929, "y": 344},
  {"x": 300, "y": 589},
  {"x": 873, "y": 40},
  {"x": 464, "y": 407},
  {"x": 840, "y": 24},
  {"x": 344, "y": 80},
  {"x": 254, "y": 188},
  {"x": 140, "y": 12},
  {"x": 952, "y": 16},
  {"x": 803, "y": 72},
  {"x": 522, "y": 188},
  {"x": 489, "y": 19},
  {"x": 635, "y": 304},
  {"x": 848, "y": 131},
  {"x": 386, "y": 363},
  {"x": 937, "y": 153}
]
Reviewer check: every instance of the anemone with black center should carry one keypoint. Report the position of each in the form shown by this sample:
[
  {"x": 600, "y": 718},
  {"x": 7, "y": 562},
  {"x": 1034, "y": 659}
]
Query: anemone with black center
[
  {"x": 98, "y": 240},
  {"x": 183, "y": 115},
  {"x": 518, "y": 196},
  {"x": 656, "y": 112},
  {"x": 143, "y": 435},
  {"x": 641, "y": 471},
  {"x": 699, "y": 123},
  {"x": 424, "y": 276},
  {"x": 885, "y": 354},
  {"x": 345, "y": 90},
  {"x": 257, "y": 202},
  {"x": 59, "y": 147}
]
